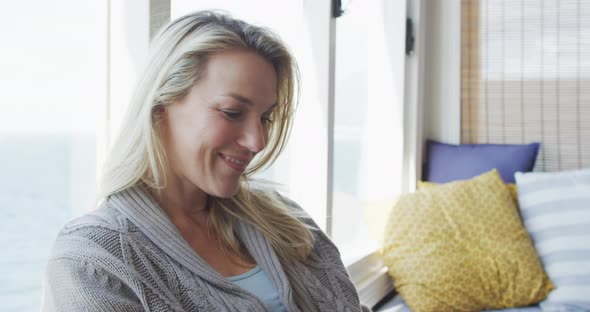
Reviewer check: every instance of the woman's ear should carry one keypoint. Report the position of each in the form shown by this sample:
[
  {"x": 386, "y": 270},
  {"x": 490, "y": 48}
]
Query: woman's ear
[{"x": 159, "y": 113}]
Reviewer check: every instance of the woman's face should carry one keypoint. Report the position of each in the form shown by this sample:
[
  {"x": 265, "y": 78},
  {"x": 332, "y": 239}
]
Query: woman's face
[{"x": 212, "y": 134}]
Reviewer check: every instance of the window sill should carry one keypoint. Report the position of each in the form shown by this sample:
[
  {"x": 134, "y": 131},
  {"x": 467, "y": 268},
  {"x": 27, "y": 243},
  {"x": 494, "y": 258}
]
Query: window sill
[{"x": 370, "y": 277}]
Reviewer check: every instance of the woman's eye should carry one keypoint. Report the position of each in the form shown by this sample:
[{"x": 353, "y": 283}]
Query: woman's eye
[
  {"x": 232, "y": 114},
  {"x": 266, "y": 119},
  {"x": 236, "y": 115}
]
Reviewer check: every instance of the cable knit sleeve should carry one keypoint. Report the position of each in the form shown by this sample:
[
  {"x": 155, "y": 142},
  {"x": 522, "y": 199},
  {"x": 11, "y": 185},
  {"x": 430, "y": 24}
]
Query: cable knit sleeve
[{"x": 74, "y": 285}]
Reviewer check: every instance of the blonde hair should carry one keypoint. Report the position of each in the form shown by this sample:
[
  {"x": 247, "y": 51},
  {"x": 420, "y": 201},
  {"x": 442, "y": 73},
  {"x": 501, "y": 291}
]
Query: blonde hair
[{"x": 177, "y": 60}]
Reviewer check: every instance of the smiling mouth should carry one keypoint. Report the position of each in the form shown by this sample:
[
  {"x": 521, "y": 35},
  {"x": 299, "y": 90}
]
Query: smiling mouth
[{"x": 238, "y": 164}]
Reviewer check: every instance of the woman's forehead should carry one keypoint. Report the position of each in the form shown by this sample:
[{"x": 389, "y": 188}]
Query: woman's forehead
[{"x": 242, "y": 75}]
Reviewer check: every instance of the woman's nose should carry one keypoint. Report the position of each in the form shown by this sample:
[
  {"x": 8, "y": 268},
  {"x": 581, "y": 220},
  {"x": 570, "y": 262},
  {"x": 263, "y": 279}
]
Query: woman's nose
[{"x": 253, "y": 136}]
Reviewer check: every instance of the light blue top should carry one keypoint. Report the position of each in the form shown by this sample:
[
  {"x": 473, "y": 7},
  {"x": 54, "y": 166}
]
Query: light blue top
[{"x": 257, "y": 282}]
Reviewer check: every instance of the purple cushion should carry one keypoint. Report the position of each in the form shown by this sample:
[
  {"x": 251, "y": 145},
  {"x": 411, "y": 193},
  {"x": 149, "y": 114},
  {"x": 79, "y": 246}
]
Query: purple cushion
[{"x": 447, "y": 162}]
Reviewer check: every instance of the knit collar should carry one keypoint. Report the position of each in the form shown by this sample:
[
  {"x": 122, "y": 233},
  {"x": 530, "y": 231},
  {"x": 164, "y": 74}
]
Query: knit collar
[{"x": 139, "y": 207}]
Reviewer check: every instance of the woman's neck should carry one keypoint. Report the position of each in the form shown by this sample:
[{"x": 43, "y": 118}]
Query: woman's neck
[{"x": 184, "y": 203}]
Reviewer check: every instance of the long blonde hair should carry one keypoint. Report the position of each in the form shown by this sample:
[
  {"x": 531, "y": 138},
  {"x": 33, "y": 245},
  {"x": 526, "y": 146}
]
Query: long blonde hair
[{"x": 177, "y": 59}]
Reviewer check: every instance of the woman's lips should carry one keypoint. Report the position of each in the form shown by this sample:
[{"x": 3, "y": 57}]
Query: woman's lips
[{"x": 237, "y": 163}]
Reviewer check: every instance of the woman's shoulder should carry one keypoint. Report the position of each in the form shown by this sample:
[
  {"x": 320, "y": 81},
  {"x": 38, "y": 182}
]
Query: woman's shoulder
[
  {"x": 86, "y": 269},
  {"x": 95, "y": 232},
  {"x": 104, "y": 217}
]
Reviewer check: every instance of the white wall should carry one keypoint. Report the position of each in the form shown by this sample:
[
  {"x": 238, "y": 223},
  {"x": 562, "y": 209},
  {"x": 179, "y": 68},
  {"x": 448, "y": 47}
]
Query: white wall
[{"x": 442, "y": 71}]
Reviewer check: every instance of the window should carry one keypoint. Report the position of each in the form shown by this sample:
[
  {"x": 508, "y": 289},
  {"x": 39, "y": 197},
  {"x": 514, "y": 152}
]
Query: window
[
  {"x": 368, "y": 127},
  {"x": 53, "y": 88}
]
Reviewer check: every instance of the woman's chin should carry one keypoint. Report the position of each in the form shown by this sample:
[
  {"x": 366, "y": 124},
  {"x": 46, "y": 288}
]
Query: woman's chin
[{"x": 226, "y": 192}]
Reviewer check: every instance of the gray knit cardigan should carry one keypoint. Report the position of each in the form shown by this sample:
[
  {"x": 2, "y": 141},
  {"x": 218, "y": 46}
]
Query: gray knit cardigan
[{"x": 128, "y": 256}]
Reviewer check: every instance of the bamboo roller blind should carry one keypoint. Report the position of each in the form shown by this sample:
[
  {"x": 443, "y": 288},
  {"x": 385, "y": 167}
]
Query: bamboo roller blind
[{"x": 525, "y": 77}]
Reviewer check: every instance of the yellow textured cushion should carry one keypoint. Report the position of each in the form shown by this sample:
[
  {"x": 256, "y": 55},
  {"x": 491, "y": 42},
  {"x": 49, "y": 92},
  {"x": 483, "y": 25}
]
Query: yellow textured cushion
[
  {"x": 461, "y": 247},
  {"x": 510, "y": 186}
]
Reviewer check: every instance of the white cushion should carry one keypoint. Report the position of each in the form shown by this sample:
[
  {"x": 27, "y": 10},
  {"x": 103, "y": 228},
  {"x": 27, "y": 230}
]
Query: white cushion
[{"x": 555, "y": 208}]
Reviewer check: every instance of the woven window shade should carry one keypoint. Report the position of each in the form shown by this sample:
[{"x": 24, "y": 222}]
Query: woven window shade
[{"x": 525, "y": 77}]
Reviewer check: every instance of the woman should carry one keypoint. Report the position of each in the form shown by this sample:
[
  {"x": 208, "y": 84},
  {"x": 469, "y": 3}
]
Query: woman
[{"x": 180, "y": 228}]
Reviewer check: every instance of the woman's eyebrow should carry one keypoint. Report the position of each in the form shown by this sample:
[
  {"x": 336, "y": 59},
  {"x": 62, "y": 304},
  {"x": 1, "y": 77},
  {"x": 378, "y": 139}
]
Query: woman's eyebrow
[
  {"x": 246, "y": 100},
  {"x": 240, "y": 98},
  {"x": 272, "y": 107}
]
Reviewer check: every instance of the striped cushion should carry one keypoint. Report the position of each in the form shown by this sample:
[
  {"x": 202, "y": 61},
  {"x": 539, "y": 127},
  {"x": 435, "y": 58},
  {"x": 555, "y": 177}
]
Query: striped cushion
[{"x": 555, "y": 208}]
